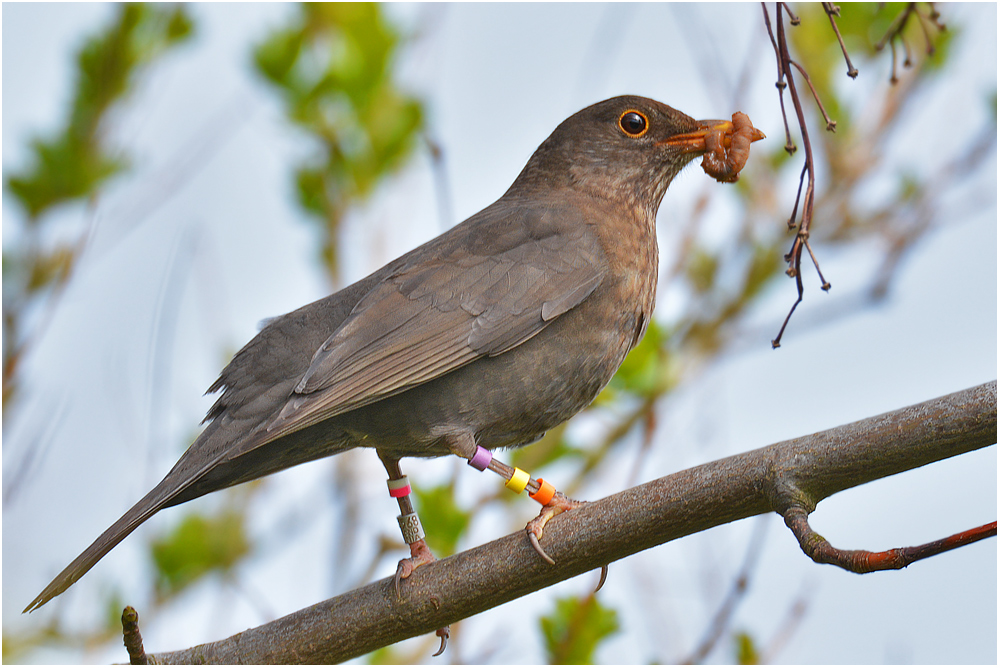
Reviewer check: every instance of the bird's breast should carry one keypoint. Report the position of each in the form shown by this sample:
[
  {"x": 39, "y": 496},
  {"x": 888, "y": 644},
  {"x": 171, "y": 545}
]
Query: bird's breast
[{"x": 633, "y": 260}]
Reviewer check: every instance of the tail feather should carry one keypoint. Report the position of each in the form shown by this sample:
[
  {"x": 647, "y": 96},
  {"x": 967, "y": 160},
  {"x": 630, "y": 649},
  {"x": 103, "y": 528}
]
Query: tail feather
[
  {"x": 216, "y": 460},
  {"x": 148, "y": 506},
  {"x": 158, "y": 498}
]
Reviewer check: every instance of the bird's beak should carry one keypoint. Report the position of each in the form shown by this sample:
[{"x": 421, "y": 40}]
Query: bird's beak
[{"x": 694, "y": 142}]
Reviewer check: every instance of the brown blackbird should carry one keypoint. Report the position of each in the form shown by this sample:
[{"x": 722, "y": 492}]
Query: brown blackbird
[{"x": 485, "y": 337}]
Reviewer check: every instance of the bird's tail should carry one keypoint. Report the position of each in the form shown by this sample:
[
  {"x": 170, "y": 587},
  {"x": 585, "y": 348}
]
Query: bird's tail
[
  {"x": 195, "y": 474},
  {"x": 157, "y": 499}
]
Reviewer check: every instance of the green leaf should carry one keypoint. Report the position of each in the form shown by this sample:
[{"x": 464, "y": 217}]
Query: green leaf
[
  {"x": 575, "y": 628},
  {"x": 65, "y": 168},
  {"x": 113, "y": 607},
  {"x": 276, "y": 56},
  {"x": 309, "y": 182},
  {"x": 50, "y": 267},
  {"x": 179, "y": 26},
  {"x": 197, "y": 546},
  {"x": 746, "y": 650}
]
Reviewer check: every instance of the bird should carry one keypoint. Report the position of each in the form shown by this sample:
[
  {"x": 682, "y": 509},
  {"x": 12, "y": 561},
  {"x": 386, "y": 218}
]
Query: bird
[{"x": 484, "y": 337}]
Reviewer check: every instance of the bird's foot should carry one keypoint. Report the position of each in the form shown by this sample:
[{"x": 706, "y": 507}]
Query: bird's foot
[
  {"x": 535, "y": 528},
  {"x": 420, "y": 554}
]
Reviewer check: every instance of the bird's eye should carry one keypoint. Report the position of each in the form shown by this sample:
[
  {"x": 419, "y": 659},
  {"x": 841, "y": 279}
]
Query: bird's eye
[{"x": 633, "y": 123}]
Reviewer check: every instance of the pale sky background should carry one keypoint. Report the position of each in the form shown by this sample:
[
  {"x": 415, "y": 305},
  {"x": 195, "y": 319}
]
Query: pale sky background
[{"x": 203, "y": 239}]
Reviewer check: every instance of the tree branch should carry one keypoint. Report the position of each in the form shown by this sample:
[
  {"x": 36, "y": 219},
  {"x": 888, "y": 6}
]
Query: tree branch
[{"x": 800, "y": 472}]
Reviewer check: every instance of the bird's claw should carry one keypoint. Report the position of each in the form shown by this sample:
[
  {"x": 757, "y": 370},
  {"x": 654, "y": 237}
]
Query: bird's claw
[
  {"x": 533, "y": 539},
  {"x": 403, "y": 570},
  {"x": 443, "y": 633},
  {"x": 604, "y": 578}
]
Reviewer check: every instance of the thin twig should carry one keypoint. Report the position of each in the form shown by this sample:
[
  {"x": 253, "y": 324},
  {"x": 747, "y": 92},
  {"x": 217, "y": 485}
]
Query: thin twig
[
  {"x": 831, "y": 124},
  {"x": 776, "y": 341},
  {"x": 795, "y": 208},
  {"x": 927, "y": 35},
  {"x": 792, "y": 18},
  {"x": 793, "y": 620},
  {"x": 895, "y": 32},
  {"x": 780, "y": 83},
  {"x": 795, "y": 255},
  {"x": 893, "y": 79},
  {"x": 833, "y": 11},
  {"x": 808, "y": 175},
  {"x": 896, "y": 27},
  {"x": 786, "y": 59},
  {"x": 825, "y": 286}
]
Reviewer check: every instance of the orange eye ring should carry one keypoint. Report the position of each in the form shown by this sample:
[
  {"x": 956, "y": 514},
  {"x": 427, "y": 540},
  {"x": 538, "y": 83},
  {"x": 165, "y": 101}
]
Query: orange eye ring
[{"x": 633, "y": 123}]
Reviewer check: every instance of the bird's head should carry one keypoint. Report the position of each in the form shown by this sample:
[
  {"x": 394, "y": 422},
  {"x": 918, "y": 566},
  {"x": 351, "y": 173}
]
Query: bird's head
[{"x": 627, "y": 148}]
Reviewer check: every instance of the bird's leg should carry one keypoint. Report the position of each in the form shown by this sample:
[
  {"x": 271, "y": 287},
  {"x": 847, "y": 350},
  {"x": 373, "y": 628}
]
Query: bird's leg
[
  {"x": 409, "y": 522},
  {"x": 413, "y": 533},
  {"x": 553, "y": 501}
]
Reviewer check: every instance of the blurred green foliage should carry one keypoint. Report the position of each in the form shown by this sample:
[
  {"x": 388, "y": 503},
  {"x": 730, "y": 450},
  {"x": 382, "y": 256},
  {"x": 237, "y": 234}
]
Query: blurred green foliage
[
  {"x": 646, "y": 370},
  {"x": 438, "y": 508},
  {"x": 197, "y": 546},
  {"x": 702, "y": 269},
  {"x": 384, "y": 656},
  {"x": 746, "y": 650},
  {"x": 575, "y": 628},
  {"x": 75, "y": 162},
  {"x": 862, "y": 25},
  {"x": 549, "y": 448},
  {"x": 333, "y": 69}
]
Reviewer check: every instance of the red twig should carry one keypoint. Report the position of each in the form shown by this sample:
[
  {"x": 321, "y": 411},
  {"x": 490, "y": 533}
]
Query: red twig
[{"x": 821, "y": 551}]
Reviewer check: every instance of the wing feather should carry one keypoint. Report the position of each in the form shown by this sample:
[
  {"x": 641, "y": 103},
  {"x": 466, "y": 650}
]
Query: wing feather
[{"x": 435, "y": 315}]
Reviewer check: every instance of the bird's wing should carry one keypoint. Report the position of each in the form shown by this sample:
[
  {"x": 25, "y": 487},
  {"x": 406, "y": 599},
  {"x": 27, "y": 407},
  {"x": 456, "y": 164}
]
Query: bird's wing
[{"x": 479, "y": 298}]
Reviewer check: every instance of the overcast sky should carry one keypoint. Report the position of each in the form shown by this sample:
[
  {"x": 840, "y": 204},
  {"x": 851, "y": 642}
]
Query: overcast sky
[{"x": 203, "y": 240}]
